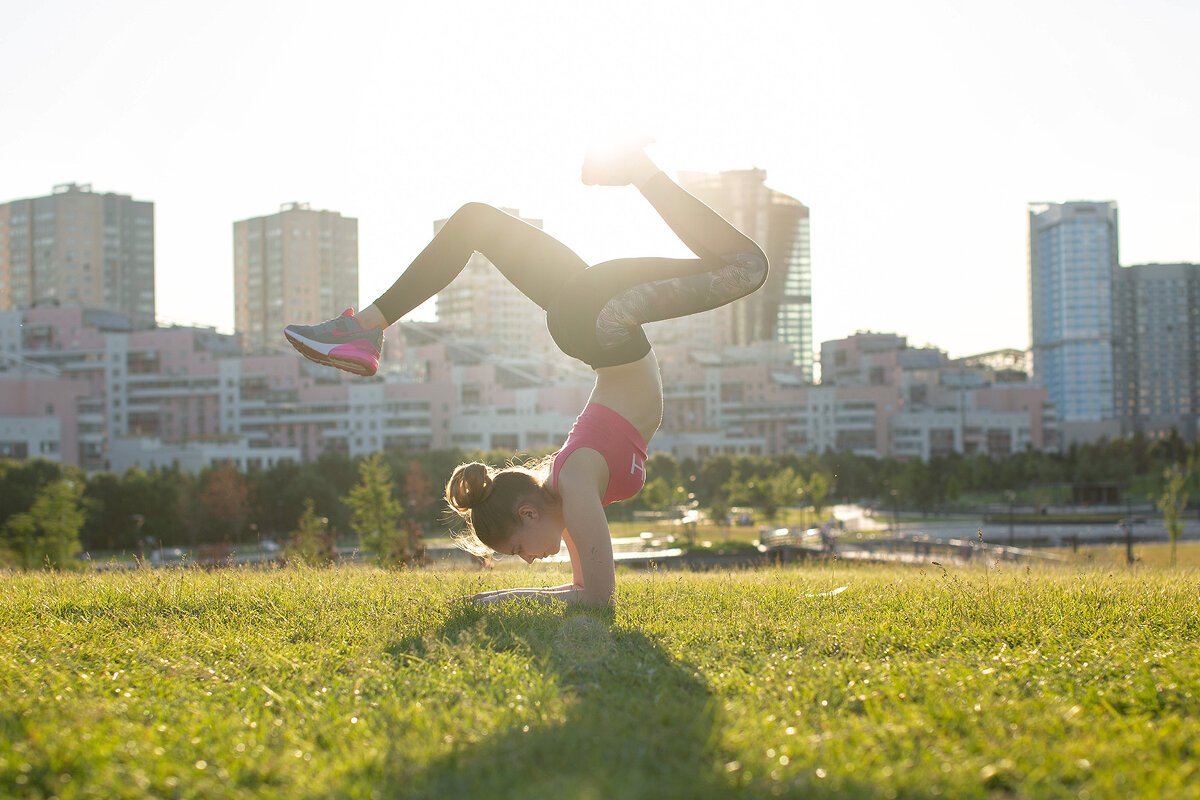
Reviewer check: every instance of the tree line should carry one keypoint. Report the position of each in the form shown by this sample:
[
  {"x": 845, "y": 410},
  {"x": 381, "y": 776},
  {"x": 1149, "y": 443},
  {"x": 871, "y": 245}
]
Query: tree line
[
  {"x": 1031, "y": 478},
  {"x": 47, "y": 511}
]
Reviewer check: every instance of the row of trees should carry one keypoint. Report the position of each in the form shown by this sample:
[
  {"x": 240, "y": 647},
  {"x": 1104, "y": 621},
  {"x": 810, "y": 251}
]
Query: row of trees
[
  {"x": 49, "y": 512},
  {"x": 345, "y": 499},
  {"x": 1029, "y": 477}
]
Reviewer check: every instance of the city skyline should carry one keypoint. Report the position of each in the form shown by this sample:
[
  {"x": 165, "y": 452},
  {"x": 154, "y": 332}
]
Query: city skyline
[
  {"x": 917, "y": 135},
  {"x": 85, "y": 387}
]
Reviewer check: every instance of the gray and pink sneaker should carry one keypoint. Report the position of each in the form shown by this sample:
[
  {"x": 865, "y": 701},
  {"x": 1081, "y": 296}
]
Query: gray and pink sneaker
[{"x": 341, "y": 342}]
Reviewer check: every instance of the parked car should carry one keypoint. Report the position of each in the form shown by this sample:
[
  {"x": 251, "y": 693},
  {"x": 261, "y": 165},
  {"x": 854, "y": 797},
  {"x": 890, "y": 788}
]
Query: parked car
[{"x": 167, "y": 555}]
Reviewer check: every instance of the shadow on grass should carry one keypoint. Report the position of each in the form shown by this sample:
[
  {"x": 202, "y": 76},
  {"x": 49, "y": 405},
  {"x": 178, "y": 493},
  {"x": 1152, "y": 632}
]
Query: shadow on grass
[{"x": 638, "y": 723}]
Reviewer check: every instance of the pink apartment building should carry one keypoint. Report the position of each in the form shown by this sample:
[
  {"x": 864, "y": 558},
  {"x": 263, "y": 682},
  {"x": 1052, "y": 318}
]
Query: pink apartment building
[
  {"x": 83, "y": 387},
  {"x": 80, "y": 386}
]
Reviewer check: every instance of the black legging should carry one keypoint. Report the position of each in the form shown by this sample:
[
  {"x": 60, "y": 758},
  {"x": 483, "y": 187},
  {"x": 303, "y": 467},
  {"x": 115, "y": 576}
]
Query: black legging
[{"x": 595, "y": 313}]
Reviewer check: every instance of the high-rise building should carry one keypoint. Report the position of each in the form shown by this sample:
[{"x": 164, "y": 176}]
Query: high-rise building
[
  {"x": 79, "y": 247},
  {"x": 481, "y": 304},
  {"x": 298, "y": 265},
  {"x": 1072, "y": 259},
  {"x": 782, "y": 309},
  {"x": 1156, "y": 348}
]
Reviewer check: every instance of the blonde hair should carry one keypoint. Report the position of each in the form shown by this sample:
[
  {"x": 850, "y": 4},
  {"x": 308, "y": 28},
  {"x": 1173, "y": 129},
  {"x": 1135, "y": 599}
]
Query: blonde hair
[{"x": 488, "y": 500}]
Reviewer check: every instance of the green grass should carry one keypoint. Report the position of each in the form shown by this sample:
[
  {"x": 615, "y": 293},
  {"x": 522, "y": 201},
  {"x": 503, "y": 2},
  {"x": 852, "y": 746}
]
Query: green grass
[
  {"x": 1147, "y": 554},
  {"x": 352, "y": 682}
]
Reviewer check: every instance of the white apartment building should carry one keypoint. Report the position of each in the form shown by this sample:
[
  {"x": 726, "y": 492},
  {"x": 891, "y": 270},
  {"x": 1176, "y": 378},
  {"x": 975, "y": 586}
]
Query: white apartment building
[
  {"x": 297, "y": 265},
  {"x": 79, "y": 247}
]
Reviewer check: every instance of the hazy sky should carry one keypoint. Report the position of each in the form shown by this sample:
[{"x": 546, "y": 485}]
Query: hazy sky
[{"x": 916, "y": 132}]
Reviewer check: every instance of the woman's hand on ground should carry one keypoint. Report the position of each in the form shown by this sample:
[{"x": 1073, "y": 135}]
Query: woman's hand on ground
[
  {"x": 475, "y": 598},
  {"x": 568, "y": 592}
]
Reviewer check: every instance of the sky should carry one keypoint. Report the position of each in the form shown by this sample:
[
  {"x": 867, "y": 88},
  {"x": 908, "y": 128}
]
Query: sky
[{"x": 917, "y": 133}]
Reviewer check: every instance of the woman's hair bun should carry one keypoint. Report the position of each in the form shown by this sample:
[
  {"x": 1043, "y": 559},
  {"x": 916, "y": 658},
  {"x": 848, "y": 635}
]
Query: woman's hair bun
[{"x": 469, "y": 486}]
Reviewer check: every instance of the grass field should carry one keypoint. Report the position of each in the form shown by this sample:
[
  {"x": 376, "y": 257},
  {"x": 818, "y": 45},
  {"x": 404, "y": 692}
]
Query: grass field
[
  {"x": 351, "y": 682},
  {"x": 1150, "y": 554}
]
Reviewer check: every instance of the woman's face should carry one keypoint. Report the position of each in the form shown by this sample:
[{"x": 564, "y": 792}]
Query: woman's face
[{"x": 539, "y": 535}]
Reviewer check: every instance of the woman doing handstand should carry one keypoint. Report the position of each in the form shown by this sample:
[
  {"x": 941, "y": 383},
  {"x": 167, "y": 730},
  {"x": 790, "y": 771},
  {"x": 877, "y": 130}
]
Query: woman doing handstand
[{"x": 594, "y": 314}]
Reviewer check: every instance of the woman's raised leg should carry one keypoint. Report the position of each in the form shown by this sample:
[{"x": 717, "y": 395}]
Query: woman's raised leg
[{"x": 532, "y": 260}]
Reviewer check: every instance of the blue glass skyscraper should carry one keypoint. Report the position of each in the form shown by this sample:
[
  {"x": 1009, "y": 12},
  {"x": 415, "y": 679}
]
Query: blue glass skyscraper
[{"x": 1072, "y": 259}]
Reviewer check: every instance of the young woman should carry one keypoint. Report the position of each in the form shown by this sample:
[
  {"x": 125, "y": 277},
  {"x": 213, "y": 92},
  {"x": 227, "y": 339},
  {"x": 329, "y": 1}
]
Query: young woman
[{"x": 594, "y": 314}]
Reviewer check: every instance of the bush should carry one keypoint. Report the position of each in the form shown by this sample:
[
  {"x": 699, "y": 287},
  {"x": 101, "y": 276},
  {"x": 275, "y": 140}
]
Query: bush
[
  {"x": 48, "y": 533},
  {"x": 312, "y": 542},
  {"x": 376, "y": 515}
]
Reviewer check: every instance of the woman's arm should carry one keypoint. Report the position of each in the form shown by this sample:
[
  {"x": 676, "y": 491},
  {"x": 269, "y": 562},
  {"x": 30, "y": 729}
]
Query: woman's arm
[
  {"x": 525, "y": 591},
  {"x": 517, "y": 591},
  {"x": 576, "y": 570},
  {"x": 589, "y": 525},
  {"x": 580, "y": 485},
  {"x": 568, "y": 592}
]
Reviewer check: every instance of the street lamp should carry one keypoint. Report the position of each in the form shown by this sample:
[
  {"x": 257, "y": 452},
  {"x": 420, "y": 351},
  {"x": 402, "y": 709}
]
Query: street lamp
[
  {"x": 138, "y": 521},
  {"x": 1012, "y": 496},
  {"x": 895, "y": 511}
]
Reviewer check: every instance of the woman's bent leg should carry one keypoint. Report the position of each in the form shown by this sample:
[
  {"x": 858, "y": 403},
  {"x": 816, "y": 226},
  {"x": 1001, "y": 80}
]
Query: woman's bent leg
[
  {"x": 599, "y": 318},
  {"x": 705, "y": 232}
]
